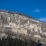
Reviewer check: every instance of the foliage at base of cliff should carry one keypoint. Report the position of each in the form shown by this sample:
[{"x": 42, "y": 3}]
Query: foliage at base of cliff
[{"x": 16, "y": 42}]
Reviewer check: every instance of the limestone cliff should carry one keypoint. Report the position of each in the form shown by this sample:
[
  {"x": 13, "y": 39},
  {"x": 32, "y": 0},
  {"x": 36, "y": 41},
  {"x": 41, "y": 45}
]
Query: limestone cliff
[{"x": 20, "y": 25}]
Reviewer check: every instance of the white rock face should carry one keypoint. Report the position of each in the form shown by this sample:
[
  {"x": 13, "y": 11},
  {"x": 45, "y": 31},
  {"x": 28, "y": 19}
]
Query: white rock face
[
  {"x": 37, "y": 36},
  {"x": 21, "y": 24}
]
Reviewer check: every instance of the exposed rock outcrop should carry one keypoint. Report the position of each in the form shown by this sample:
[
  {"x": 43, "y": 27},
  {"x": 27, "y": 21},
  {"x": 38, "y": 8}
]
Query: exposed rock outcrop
[{"x": 20, "y": 25}]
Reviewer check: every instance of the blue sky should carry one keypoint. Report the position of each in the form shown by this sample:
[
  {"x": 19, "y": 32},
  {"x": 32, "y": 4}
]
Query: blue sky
[{"x": 33, "y": 8}]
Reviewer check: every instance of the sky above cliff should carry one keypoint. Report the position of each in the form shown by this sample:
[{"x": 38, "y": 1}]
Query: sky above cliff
[{"x": 32, "y": 8}]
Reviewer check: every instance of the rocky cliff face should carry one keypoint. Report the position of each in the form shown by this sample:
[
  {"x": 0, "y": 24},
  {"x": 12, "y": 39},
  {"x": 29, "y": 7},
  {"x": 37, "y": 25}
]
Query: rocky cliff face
[{"x": 20, "y": 25}]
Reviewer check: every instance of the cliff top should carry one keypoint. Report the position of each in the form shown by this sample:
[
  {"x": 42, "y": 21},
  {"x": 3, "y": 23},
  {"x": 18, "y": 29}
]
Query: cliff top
[{"x": 12, "y": 12}]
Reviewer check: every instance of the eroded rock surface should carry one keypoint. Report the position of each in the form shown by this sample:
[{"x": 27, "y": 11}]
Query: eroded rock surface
[{"x": 20, "y": 25}]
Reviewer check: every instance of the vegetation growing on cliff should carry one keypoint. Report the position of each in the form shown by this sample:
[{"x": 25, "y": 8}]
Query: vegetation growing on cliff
[{"x": 9, "y": 41}]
